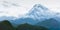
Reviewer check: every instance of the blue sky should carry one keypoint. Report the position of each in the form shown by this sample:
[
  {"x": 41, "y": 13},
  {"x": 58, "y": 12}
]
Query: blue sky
[{"x": 18, "y": 8}]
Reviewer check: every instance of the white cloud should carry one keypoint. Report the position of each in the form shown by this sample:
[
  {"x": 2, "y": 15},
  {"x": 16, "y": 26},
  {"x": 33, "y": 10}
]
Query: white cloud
[{"x": 20, "y": 7}]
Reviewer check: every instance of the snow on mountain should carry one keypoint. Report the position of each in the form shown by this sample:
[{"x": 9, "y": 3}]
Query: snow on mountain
[{"x": 40, "y": 12}]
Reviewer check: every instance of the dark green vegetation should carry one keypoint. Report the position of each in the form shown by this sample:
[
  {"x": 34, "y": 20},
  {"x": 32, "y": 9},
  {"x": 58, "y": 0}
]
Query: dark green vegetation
[
  {"x": 30, "y": 27},
  {"x": 6, "y": 25}
]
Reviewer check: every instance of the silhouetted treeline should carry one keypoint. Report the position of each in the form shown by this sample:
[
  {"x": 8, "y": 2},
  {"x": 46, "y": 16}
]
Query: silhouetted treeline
[
  {"x": 6, "y": 25},
  {"x": 30, "y": 27}
]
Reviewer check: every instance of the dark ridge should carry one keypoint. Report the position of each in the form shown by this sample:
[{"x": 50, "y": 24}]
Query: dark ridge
[{"x": 6, "y": 25}]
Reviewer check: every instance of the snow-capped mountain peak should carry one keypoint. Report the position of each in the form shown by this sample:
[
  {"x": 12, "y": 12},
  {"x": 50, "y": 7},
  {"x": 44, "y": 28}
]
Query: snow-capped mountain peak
[
  {"x": 39, "y": 12},
  {"x": 39, "y": 6}
]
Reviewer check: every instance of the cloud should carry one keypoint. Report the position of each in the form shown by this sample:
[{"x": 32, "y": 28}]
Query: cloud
[
  {"x": 14, "y": 4},
  {"x": 9, "y": 4},
  {"x": 21, "y": 7},
  {"x": 1, "y": 11}
]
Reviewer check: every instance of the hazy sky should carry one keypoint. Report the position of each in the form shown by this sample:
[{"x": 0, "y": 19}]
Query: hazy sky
[{"x": 20, "y": 7}]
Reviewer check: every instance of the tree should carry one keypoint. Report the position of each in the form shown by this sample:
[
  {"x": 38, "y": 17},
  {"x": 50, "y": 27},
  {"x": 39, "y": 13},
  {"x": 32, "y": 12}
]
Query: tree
[{"x": 30, "y": 27}]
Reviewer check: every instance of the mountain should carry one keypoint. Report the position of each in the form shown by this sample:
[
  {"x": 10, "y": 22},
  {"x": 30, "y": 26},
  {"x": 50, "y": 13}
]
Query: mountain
[
  {"x": 52, "y": 24},
  {"x": 6, "y": 25},
  {"x": 32, "y": 17},
  {"x": 39, "y": 12},
  {"x": 30, "y": 27},
  {"x": 24, "y": 20},
  {"x": 36, "y": 14}
]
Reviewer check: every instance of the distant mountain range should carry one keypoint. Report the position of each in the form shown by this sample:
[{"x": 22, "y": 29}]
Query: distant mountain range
[
  {"x": 37, "y": 13},
  {"x": 40, "y": 16},
  {"x": 24, "y": 20},
  {"x": 52, "y": 24}
]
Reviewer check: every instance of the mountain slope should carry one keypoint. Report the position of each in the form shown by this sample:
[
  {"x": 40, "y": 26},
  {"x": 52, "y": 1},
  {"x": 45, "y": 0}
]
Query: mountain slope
[
  {"x": 30, "y": 27},
  {"x": 36, "y": 14},
  {"x": 50, "y": 23},
  {"x": 40, "y": 12},
  {"x": 23, "y": 20},
  {"x": 6, "y": 25}
]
